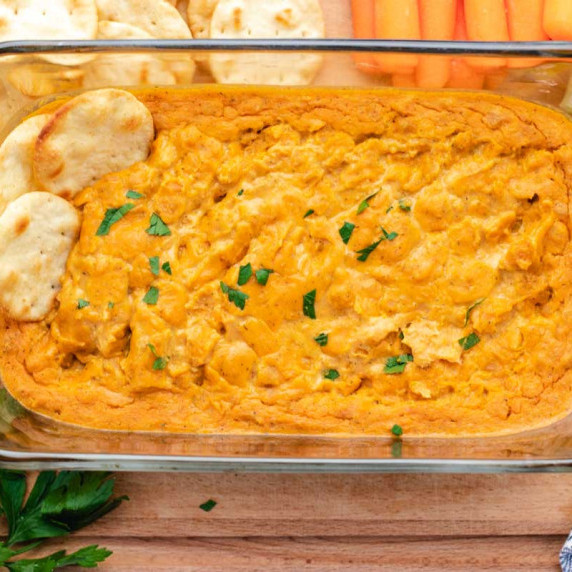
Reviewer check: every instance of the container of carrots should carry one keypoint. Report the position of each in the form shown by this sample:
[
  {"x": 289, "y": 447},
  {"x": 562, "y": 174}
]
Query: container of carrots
[{"x": 462, "y": 20}]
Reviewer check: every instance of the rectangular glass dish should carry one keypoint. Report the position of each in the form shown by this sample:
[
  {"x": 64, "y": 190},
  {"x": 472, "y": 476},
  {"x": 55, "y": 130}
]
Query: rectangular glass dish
[{"x": 33, "y": 74}]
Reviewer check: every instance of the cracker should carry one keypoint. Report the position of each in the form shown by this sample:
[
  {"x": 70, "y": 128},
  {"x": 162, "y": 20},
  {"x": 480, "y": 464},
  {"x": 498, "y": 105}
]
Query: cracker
[
  {"x": 156, "y": 17},
  {"x": 37, "y": 232},
  {"x": 95, "y": 133},
  {"x": 277, "y": 19},
  {"x": 41, "y": 79},
  {"x": 16, "y": 153},
  {"x": 200, "y": 13}
]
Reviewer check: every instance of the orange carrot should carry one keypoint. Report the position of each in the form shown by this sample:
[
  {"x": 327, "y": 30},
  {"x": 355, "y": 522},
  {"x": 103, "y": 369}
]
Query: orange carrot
[
  {"x": 486, "y": 22},
  {"x": 525, "y": 25},
  {"x": 397, "y": 20},
  {"x": 364, "y": 28},
  {"x": 437, "y": 23},
  {"x": 558, "y": 19}
]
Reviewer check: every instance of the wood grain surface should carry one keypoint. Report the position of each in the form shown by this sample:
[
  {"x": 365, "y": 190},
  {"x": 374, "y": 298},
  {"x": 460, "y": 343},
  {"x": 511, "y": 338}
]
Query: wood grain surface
[{"x": 335, "y": 522}]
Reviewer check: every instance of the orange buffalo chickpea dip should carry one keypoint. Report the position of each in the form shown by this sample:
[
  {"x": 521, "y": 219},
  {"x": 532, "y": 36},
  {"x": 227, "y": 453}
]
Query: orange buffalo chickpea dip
[{"x": 317, "y": 261}]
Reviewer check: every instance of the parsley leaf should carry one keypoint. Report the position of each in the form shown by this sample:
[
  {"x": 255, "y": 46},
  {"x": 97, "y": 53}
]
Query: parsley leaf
[
  {"x": 308, "y": 213},
  {"x": 131, "y": 194},
  {"x": 262, "y": 275},
  {"x": 396, "y": 364},
  {"x": 404, "y": 206},
  {"x": 346, "y": 231},
  {"x": 321, "y": 339},
  {"x": 152, "y": 296},
  {"x": 471, "y": 308},
  {"x": 365, "y": 203},
  {"x": 397, "y": 430},
  {"x": 389, "y": 235},
  {"x": 110, "y": 305},
  {"x": 160, "y": 362},
  {"x": 208, "y": 505},
  {"x": 87, "y": 557},
  {"x": 237, "y": 297},
  {"x": 81, "y": 303},
  {"x": 332, "y": 374},
  {"x": 167, "y": 268},
  {"x": 111, "y": 217},
  {"x": 154, "y": 265},
  {"x": 244, "y": 274},
  {"x": 157, "y": 227},
  {"x": 389, "y": 209},
  {"x": 240, "y": 193},
  {"x": 308, "y": 304},
  {"x": 365, "y": 252},
  {"x": 469, "y": 342}
]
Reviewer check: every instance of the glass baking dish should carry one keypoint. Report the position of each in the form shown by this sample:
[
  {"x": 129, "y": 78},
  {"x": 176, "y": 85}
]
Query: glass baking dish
[{"x": 34, "y": 73}]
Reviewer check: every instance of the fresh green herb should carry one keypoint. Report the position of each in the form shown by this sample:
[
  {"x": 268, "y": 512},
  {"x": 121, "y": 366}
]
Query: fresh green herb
[
  {"x": 81, "y": 303},
  {"x": 397, "y": 430},
  {"x": 167, "y": 268},
  {"x": 154, "y": 264},
  {"x": 160, "y": 362},
  {"x": 262, "y": 275},
  {"x": 331, "y": 374},
  {"x": 110, "y": 305},
  {"x": 240, "y": 193},
  {"x": 130, "y": 194},
  {"x": 244, "y": 274},
  {"x": 401, "y": 335},
  {"x": 309, "y": 212},
  {"x": 404, "y": 206},
  {"x": 237, "y": 297},
  {"x": 471, "y": 308},
  {"x": 208, "y": 505},
  {"x": 389, "y": 235},
  {"x": 157, "y": 227},
  {"x": 111, "y": 217},
  {"x": 365, "y": 203},
  {"x": 346, "y": 231},
  {"x": 396, "y": 364},
  {"x": 308, "y": 304},
  {"x": 365, "y": 252},
  {"x": 152, "y": 296},
  {"x": 397, "y": 448},
  {"x": 59, "y": 503},
  {"x": 321, "y": 339},
  {"x": 389, "y": 209},
  {"x": 469, "y": 342}
]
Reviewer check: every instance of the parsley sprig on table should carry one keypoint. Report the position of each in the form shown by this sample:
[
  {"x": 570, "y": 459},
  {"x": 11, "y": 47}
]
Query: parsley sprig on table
[{"x": 58, "y": 504}]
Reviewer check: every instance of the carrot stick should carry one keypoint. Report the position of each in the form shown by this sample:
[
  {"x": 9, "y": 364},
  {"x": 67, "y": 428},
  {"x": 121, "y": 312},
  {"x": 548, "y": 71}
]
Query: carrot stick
[
  {"x": 558, "y": 19},
  {"x": 525, "y": 25},
  {"x": 486, "y": 22},
  {"x": 437, "y": 23},
  {"x": 364, "y": 28},
  {"x": 397, "y": 20}
]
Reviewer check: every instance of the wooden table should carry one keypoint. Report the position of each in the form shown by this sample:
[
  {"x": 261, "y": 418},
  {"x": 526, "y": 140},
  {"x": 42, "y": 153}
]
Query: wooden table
[{"x": 335, "y": 522}]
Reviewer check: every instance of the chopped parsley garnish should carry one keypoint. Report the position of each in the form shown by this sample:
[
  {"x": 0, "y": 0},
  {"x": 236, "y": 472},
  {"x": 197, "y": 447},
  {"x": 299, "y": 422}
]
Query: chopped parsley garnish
[
  {"x": 262, "y": 275},
  {"x": 208, "y": 505},
  {"x": 152, "y": 296},
  {"x": 154, "y": 265},
  {"x": 237, "y": 297},
  {"x": 131, "y": 194},
  {"x": 365, "y": 252},
  {"x": 167, "y": 267},
  {"x": 331, "y": 374},
  {"x": 346, "y": 231},
  {"x": 397, "y": 448},
  {"x": 240, "y": 193},
  {"x": 404, "y": 206},
  {"x": 81, "y": 303},
  {"x": 309, "y": 212},
  {"x": 469, "y": 342},
  {"x": 389, "y": 209},
  {"x": 244, "y": 274},
  {"x": 321, "y": 339},
  {"x": 157, "y": 227},
  {"x": 397, "y": 430},
  {"x": 160, "y": 362},
  {"x": 111, "y": 305},
  {"x": 308, "y": 304},
  {"x": 389, "y": 235},
  {"x": 401, "y": 335},
  {"x": 111, "y": 217},
  {"x": 396, "y": 364},
  {"x": 365, "y": 203},
  {"x": 471, "y": 308}
]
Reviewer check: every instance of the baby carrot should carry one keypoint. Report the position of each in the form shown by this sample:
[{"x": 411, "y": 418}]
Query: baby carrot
[
  {"x": 364, "y": 28},
  {"x": 437, "y": 23},
  {"x": 486, "y": 22},
  {"x": 397, "y": 20},
  {"x": 558, "y": 19},
  {"x": 525, "y": 25}
]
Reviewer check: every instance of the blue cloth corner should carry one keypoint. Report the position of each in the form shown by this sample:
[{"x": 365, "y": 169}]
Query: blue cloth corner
[{"x": 566, "y": 555}]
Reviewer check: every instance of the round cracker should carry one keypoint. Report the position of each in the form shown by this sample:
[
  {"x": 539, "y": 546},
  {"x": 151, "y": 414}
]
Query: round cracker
[
  {"x": 16, "y": 153},
  {"x": 278, "y": 19},
  {"x": 95, "y": 133},
  {"x": 37, "y": 232},
  {"x": 41, "y": 79},
  {"x": 200, "y": 13},
  {"x": 156, "y": 17}
]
